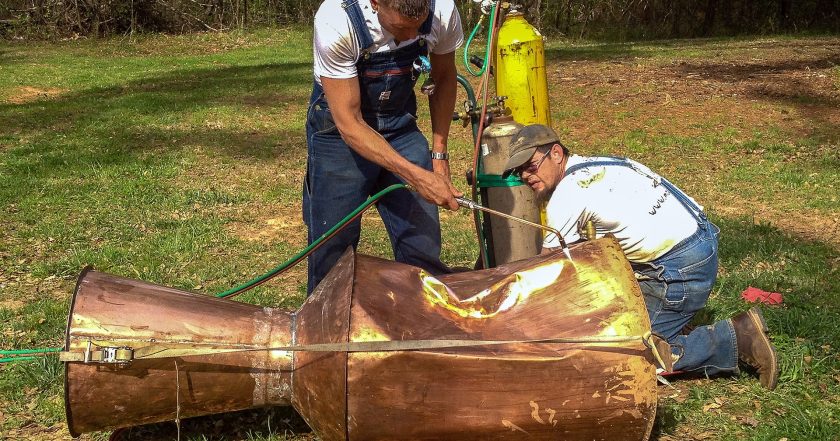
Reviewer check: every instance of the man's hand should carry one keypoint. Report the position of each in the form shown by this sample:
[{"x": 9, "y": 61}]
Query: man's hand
[
  {"x": 436, "y": 189},
  {"x": 344, "y": 99},
  {"x": 441, "y": 167}
]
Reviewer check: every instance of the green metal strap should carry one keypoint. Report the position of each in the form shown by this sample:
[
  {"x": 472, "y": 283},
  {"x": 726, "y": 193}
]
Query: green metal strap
[{"x": 485, "y": 181}]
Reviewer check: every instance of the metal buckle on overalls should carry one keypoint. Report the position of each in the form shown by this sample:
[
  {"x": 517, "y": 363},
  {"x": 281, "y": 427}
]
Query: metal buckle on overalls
[
  {"x": 422, "y": 64},
  {"x": 428, "y": 87},
  {"x": 424, "y": 67}
]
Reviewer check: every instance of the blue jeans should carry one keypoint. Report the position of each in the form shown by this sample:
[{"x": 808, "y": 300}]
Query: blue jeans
[
  {"x": 675, "y": 287},
  {"x": 339, "y": 180}
]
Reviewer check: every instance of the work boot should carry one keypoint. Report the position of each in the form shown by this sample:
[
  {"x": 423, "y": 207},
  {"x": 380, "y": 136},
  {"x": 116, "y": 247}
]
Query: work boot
[
  {"x": 662, "y": 354},
  {"x": 754, "y": 347}
]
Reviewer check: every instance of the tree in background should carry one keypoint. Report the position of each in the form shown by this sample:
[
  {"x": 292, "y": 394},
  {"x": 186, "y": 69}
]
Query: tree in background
[{"x": 591, "y": 19}]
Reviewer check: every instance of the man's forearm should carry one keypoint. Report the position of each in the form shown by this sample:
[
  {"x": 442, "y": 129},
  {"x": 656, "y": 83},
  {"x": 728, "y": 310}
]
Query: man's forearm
[
  {"x": 442, "y": 102},
  {"x": 344, "y": 99},
  {"x": 370, "y": 145}
]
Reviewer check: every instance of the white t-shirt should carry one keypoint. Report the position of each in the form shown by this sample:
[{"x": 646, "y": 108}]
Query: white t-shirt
[
  {"x": 643, "y": 215},
  {"x": 336, "y": 45}
]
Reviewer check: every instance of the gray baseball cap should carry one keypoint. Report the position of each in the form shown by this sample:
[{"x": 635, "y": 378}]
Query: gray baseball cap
[{"x": 525, "y": 143}]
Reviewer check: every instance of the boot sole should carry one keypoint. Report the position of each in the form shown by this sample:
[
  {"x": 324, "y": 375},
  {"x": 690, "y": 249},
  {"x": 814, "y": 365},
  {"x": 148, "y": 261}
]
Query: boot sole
[{"x": 758, "y": 318}]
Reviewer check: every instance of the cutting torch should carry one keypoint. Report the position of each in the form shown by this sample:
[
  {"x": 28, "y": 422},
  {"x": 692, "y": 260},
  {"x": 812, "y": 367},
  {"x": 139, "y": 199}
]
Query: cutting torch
[{"x": 473, "y": 205}]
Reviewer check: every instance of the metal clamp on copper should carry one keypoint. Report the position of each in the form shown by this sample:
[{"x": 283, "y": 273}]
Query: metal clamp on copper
[{"x": 120, "y": 355}]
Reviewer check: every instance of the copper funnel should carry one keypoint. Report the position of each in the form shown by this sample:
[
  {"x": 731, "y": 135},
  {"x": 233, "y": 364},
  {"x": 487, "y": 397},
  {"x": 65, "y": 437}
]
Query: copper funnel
[{"x": 546, "y": 368}]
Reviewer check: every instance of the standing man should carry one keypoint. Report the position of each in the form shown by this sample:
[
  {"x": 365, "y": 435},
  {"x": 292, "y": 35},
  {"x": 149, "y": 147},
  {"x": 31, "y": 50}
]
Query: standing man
[
  {"x": 361, "y": 128},
  {"x": 665, "y": 235}
]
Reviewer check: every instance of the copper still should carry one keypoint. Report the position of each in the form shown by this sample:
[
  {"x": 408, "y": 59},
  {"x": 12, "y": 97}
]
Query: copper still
[{"x": 543, "y": 348}]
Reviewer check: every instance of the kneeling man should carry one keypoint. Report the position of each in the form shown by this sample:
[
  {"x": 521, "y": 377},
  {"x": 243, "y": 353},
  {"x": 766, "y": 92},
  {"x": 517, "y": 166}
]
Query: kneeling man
[{"x": 670, "y": 243}]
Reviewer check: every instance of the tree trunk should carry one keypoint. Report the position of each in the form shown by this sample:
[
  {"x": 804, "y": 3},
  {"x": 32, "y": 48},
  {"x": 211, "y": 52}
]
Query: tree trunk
[
  {"x": 709, "y": 17},
  {"x": 784, "y": 14}
]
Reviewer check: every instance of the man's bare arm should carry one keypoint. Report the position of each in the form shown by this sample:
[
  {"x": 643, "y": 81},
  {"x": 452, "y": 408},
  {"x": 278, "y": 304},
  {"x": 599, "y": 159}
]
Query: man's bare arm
[
  {"x": 344, "y": 100},
  {"x": 441, "y": 105}
]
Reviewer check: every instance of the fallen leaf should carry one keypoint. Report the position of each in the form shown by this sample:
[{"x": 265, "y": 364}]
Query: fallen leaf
[
  {"x": 749, "y": 421},
  {"x": 711, "y": 406}
]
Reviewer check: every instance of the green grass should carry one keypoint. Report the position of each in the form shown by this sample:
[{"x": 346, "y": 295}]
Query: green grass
[{"x": 179, "y": 160}]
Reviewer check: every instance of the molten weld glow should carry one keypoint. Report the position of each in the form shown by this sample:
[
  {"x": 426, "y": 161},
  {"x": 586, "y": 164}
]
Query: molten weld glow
[
  {"x": 601, "y": 290},
  {"x": 514, "y": 290},
  {"x": 624, "y": 324},
  {"x": 278, "y": 355}
]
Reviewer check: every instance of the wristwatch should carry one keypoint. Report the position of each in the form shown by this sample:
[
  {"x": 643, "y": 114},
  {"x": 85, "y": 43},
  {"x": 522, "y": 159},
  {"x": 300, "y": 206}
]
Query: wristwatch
[{"x": 440, "y": 155}]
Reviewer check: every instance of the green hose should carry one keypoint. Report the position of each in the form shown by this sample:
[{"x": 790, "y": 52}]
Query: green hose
[
  {"x": 472, "y": 102},
  {"x": 26, "y": 354},
  {"x": 487, "y": 47},
  {"x": 32, "y": 354},
  {"x": 308, "y": 250}
]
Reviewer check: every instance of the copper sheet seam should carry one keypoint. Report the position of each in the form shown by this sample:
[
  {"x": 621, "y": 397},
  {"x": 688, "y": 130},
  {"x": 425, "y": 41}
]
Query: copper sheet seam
[
  {"x": 347, "y": 396},
  {"x": 105, "y": 354}
]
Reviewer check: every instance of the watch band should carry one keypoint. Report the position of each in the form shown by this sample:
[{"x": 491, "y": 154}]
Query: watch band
[{"x": 440, "y": 155}]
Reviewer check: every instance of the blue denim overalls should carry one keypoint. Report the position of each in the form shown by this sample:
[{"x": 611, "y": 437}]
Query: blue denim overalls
[
  {"x": 339, "y": 180},
  {"x": 678, "y": 284}
]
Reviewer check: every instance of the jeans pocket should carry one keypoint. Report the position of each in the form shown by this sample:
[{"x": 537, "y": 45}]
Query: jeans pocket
[
  {"x": 675, "y": 297},
  {"x": 698, "y": 280}
]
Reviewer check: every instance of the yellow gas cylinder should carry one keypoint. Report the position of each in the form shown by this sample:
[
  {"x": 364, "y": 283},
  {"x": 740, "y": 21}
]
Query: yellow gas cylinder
[{"x": 520, "y": 70}]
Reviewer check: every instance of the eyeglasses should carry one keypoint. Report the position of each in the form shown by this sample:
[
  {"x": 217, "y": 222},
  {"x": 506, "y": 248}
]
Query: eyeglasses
[{"x": 531, "y": 168}]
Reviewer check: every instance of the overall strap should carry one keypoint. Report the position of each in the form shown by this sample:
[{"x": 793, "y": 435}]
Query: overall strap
[
  {"x": 351, "y": 7},
  {"x": 426, "y": 28},
  {"x": 692, "y": 208}
]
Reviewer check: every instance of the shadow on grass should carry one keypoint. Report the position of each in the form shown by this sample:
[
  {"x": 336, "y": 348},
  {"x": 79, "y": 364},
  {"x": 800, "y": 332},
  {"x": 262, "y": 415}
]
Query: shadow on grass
[
  {"x": 6, "y": 56},
  {"x": 807, "y": 273},
  {"x": 620, "y": 51},
  {"x": 788, "y": 82},
  {"x": 667, "y": 421},
  {"x": 117, "y": 111},
  {"x": 254, "y": 424},
  {"x": 793, "y": 82},
  {"x": 617, "y": 51},
  {"x": 143, "y": 121}
]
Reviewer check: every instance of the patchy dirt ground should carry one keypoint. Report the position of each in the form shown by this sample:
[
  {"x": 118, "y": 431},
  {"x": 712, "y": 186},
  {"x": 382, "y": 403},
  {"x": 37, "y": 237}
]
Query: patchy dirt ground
[
  {"x": 780, "y": 86},
  {"x": 28, "y": 94},
  {"x": 738, "y": 88}
]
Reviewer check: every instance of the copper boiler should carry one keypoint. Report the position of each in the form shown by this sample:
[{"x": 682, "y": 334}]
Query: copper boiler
[{"x": 541, "y": 373}]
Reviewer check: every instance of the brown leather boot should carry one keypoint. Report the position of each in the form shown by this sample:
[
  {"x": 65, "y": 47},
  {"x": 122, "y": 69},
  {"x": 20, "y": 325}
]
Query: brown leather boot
[
  {"x": 754, "y": 347},
  {"x": 663, "y": 358}
]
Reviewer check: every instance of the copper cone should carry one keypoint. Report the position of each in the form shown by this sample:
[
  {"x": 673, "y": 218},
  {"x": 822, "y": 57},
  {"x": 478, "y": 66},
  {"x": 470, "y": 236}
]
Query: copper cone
[{"x": 514, "y": 390}]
